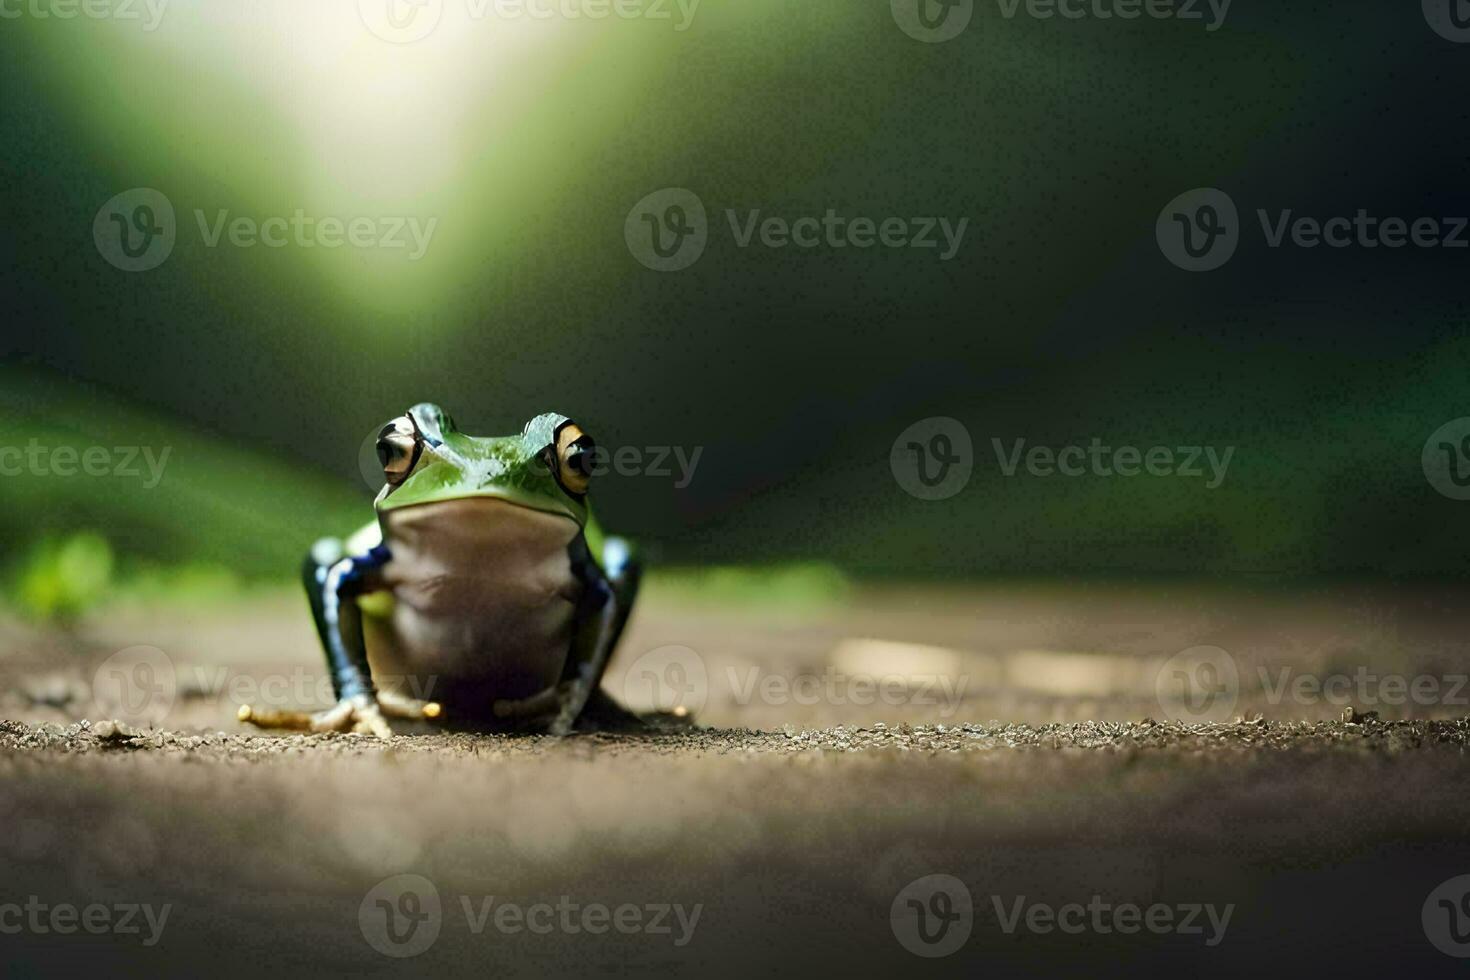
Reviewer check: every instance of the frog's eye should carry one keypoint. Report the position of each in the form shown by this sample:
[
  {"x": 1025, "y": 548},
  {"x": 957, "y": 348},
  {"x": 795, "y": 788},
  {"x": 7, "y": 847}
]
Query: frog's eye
[
  {"x": 574, "y": 458},
  {"x": 399, "y": 446}
]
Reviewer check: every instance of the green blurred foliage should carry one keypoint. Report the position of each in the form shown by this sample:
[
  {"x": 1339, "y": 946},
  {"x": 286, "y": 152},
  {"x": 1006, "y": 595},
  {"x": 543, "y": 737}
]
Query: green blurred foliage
[
  {"x": 772, "y": 589},
  {"x": 58, "y": 579},
  {"x": 215, "y": 504}
]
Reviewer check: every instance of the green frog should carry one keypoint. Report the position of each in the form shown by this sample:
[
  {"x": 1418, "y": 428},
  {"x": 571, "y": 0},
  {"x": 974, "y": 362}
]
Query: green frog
[{"x": 484, "y": 584}]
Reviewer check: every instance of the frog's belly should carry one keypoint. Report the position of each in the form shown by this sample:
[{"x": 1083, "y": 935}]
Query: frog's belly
[{"x": 484, "y": 598}]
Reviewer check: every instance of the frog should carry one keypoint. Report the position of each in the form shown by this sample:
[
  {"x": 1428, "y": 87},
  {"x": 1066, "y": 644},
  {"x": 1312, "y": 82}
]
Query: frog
[{"x": 483, "y": 594}]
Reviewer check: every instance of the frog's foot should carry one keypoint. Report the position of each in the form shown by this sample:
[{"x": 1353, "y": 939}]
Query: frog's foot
[
  {"x": 603, "y": 714},
  {"x": 361, "y": 714},
  {"x": 535, "y": 706}
]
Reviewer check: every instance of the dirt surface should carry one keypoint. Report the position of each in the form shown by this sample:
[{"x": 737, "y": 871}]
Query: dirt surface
[{"x": 727, "y": 850}]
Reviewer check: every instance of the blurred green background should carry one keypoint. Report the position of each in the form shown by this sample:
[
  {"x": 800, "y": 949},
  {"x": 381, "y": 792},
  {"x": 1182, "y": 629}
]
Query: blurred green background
[{"x": 792, "y": 371}]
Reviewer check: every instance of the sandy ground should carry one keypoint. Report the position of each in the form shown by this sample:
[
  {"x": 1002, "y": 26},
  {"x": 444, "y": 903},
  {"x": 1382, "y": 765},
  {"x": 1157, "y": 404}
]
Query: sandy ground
[{"x": 1016, "y": 740}]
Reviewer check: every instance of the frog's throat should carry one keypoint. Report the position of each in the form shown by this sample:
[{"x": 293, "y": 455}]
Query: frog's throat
[{"x": 527, "y": 501}]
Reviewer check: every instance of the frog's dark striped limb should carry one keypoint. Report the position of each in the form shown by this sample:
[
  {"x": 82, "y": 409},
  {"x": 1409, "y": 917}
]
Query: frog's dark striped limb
[
  {"x": 609, "y": 589},
  {"x": 334, "y": 581},
  {"x": 333, "y": 588}
]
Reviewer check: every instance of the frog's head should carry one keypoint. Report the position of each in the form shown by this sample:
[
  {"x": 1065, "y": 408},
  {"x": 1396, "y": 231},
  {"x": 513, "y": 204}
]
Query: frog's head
[{"x": 426, "y": 459}]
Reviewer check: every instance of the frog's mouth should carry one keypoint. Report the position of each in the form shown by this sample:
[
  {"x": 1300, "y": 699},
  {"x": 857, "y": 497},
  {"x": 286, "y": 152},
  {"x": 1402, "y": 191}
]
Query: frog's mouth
[
  {"x": 388, "y": 501},
  {"x": 467, "y": 516}
]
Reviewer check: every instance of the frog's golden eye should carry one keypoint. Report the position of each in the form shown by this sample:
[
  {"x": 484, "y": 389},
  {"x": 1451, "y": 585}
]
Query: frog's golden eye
[
  {"x": 399, "y": 447},
  {"x": 574, "y": 458}
]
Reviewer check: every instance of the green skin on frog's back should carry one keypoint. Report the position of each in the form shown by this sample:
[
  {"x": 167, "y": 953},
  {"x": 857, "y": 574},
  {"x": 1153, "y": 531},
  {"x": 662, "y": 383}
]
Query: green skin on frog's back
[{"x": 484, "y": 592}]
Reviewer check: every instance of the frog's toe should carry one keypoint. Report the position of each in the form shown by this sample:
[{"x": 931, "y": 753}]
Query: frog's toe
[
  {"x": 359, "y": 715},
  {"x": 373, "y": 723},
  {"x": 337, "y": 718},
  {"x": 396, "y": 705},
  {"x": 270, "y": 718}
]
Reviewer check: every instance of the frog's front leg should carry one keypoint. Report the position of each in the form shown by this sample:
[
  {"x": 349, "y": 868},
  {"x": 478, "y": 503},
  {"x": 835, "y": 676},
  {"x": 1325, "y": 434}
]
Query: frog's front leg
[
  {"x": 334, "y": 582},
  {"x": 610, "y": 586}
]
